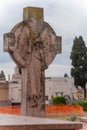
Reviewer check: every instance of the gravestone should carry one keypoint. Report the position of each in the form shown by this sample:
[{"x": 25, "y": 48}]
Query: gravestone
[{"x": 33, "y": 45}]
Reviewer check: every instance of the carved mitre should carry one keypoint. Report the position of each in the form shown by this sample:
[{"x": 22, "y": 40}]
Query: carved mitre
[{"x": 21, "y": 39}]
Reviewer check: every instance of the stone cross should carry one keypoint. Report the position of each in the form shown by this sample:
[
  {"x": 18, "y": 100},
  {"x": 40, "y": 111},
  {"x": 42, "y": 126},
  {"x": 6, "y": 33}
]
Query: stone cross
[{"x": 33, "y": 45}]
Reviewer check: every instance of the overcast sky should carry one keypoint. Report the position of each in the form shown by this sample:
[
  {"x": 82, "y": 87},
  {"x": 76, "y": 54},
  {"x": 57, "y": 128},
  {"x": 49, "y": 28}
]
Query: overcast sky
[{"x": 67, "y": 17}]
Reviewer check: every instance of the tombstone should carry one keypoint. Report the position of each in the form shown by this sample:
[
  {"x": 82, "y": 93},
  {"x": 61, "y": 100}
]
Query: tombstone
[{"x": 33, "y": 45}]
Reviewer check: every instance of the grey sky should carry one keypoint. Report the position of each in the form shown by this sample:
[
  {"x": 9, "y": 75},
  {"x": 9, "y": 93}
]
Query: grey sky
[{"x": 68, "y": 19}]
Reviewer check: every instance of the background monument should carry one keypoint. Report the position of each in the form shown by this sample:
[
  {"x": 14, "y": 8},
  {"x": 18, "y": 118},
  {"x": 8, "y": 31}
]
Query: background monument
[{"x": 33, "y": 45}]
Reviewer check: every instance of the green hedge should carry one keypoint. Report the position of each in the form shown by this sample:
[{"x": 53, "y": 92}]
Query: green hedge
[
  {"x": 59, "y": 100},
  {"x": 81, "y": 103}
]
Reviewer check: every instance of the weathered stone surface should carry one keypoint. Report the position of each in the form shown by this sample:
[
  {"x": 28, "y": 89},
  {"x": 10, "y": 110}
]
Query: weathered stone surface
[
  {"x": 12, "y": 122},
  {"x": 33, "y": 45}
]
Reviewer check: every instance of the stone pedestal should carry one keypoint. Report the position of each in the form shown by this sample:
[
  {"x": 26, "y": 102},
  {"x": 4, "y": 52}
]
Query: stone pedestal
[{"x": 13, "y": 122}]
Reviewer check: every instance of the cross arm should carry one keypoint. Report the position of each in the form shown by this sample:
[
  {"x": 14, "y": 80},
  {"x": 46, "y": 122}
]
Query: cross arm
[
  {"x": 59, "y": 44},
  {"x": 9, "y": 40}
]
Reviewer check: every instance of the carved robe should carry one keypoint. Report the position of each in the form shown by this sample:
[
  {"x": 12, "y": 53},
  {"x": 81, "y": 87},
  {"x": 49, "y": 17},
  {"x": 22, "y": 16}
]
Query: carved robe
[{"x": 36, "y": 67}]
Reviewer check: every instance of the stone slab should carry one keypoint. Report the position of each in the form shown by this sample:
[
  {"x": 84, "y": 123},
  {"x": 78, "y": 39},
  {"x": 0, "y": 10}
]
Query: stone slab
[
  {"x": 83, "y": 119},
  {"x": 14, "y": 122}
]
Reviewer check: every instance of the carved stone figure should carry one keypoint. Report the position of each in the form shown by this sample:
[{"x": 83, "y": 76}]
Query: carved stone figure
[
  {"x": 33, "y": 45},
  {"x": 36, "y": 65}
]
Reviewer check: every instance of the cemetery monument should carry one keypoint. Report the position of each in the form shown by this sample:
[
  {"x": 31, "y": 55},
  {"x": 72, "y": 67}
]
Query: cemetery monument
[{"x": 33, "y": 45}]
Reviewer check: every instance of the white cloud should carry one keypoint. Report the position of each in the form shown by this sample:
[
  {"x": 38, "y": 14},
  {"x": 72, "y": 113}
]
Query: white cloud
[
  {"x": 8, "y": 68},
  {"x": 56, "y": 70}
]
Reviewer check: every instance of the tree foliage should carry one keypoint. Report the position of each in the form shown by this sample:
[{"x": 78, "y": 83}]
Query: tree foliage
[
  {"x": 79, "y": 63},
  {"x": 59, "y": 100},
  {"x": 2, "y": 75},
  {"x": 66, "y": 75}
]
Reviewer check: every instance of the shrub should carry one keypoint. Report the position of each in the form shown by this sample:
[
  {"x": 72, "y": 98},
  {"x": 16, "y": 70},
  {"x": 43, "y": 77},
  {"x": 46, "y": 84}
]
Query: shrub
[
  {"x": 73, "y": 117},
  {"x": 59, "y": 100},
  {"x": 81, "y": 103}
]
